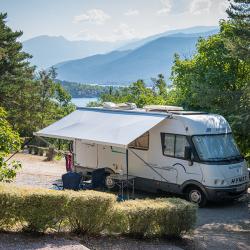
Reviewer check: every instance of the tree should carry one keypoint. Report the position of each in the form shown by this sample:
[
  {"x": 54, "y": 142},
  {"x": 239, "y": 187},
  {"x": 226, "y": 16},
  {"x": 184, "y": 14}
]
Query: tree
[
  {"x": 16, "y": 77},
  {"x": 31, "y": 101},
  {"x": 216, "y": 81},
  {"x": 53, "y": 100},
  {"x": 9, "y": 142},
  {"x": 160, "y": 85},
  {"x": 237, "y": 29},
  {"x": 139, "y": 93}
]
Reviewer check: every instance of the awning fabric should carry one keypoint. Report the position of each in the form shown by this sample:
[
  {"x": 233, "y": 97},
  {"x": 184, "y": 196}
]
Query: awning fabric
[{"x": 100, "y": 126}]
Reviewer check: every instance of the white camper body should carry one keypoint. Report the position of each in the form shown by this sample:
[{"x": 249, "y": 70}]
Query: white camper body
[{"x": 179, "y": 152}]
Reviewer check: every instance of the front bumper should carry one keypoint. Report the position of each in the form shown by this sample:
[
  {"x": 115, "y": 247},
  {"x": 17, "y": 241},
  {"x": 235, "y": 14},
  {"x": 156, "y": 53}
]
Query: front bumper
[{"x": 227, "y": 193}]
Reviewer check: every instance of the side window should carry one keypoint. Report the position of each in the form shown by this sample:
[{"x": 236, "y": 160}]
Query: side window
[
  {"x": 174, "y": 145},
  {"x": 141, "y": 142},
  {"x": 180, "y": 144},
  {"x": 169, "y": 142}
]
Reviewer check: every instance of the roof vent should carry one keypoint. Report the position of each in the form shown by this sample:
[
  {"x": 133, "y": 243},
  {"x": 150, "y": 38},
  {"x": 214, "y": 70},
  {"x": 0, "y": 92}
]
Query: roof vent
[
  {"x": 122, "y": 106},
  {"x": 109, "y": 105},
  {"x": 162, "y": 108}
]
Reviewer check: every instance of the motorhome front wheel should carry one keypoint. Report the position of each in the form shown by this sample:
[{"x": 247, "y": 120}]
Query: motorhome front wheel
[{"x": 195, "y": 195}]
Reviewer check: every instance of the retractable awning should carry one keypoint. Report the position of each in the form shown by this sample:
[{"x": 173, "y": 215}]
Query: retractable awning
[{"x": 108, "y": 127}]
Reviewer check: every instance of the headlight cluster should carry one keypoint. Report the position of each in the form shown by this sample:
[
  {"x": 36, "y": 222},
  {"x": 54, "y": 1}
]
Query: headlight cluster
[{"x": 220, "y": 182}]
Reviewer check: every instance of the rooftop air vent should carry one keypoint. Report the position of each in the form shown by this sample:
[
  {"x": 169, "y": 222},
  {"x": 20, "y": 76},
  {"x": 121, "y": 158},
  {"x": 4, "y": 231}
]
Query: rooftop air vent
[
  {"x": 122, "y": 106},
  {"x": 162, "y": 108}
]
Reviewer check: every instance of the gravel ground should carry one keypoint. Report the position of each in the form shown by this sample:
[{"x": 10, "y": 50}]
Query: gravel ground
[
  {"x": 17, "y": 241},
  {"x": 36, "y": 171},
  {"x": 219, "y": 226}
]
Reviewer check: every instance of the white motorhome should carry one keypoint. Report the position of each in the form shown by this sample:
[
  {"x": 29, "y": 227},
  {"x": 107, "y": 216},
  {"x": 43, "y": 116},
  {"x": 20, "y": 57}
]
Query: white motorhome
[{"x": 164, "y": 147}]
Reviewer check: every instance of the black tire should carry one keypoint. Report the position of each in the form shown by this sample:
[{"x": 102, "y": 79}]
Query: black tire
[
  {"x": 109, "y": 183},
  {"x": 195, "y": 195}
]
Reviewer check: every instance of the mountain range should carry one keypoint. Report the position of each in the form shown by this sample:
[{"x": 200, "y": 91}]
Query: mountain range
[
  {"x": 140, "y": 59},
  {"x": 50, "y": 50}
]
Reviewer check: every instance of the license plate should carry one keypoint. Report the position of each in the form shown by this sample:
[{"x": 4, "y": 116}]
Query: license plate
[{"x": 241, "y": 188}]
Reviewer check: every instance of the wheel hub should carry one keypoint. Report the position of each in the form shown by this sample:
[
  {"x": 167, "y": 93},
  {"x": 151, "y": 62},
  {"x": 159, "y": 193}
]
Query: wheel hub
[
  {"x": 109, "y": 182},
  {"x": 195, "y": 196}
]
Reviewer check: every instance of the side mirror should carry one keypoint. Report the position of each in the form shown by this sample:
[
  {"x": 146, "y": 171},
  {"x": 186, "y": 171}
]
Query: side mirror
[{"x": 188, "y": 153}]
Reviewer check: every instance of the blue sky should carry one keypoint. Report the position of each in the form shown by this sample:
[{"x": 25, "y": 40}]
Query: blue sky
[{"x": 109, "y": 20}]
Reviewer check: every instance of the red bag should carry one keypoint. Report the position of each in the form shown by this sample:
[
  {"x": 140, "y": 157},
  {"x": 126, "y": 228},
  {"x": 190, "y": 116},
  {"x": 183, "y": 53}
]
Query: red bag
[{"x": 68, "y": 158}]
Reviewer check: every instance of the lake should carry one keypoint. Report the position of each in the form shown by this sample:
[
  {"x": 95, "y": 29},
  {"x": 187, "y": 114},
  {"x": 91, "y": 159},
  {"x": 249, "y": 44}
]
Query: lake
[{"x": 82, "y": 102}]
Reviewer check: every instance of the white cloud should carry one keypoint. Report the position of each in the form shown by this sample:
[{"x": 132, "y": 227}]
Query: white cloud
[
  {"x": 131, "y": 13},
  {"x": 122, "y": 32},
  {"x": 96, "y": 16},
  {"x": 166, "y": 7},
  {"x": 198, "y": 7}
]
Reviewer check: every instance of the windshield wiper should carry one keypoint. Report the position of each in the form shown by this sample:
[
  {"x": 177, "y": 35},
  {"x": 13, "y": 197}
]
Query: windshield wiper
[
  {"x": 235, "y": 157},
  {"x": 216, "y": 158}
]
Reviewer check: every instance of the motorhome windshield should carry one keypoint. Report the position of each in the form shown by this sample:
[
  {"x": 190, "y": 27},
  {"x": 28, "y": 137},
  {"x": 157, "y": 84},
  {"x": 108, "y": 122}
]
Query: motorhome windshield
[{"x": 216, "y": 147}]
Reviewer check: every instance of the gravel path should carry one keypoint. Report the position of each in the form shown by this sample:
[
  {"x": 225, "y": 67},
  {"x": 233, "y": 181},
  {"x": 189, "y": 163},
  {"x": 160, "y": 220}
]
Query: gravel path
[
  {"x": 219, "y": 226},
  {"x": 17, "y": 241},
  {"x": 36, "y": 171},
  {"x": 224, "y": 226}
]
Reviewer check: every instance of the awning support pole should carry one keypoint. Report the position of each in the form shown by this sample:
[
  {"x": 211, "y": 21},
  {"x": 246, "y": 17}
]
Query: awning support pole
[{"x": 127, "y": 172}]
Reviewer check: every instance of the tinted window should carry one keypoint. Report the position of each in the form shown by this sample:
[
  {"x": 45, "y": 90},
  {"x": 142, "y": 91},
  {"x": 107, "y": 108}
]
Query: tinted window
[
  {"x": 180, "y": 144},
  {"x": 169, "y": 142},
  {"x": 174, "y": 145}
]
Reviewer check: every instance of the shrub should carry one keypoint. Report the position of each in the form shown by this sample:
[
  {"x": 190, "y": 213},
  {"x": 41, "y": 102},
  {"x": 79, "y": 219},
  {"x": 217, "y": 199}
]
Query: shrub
[
  {"x": 92, "y": 212},
  {"x": 159, "y": 217},
  {"x": 89, "y": 211},
  {"x": 32, "y": 208},
  {"x": 37, "y": 209}
]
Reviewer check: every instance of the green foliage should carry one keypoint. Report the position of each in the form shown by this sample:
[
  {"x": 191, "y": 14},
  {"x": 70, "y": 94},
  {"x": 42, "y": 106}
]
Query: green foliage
[
  {"x": 139, "y": 93},
  {"x": 215, "y": 81},
  {"x": 159, "y": 217},
  {"x": 237, "y": 29},
  {"x": 78, "y": 90},
  {"x": 53, "y": 101},
  {"x": 38, "y": 210},
  {"x": 92, "y": 212},
  {"x": 89, "y": 211},
  {"x": 9, "y": 142},
  {"x": 31, "y": 102}
]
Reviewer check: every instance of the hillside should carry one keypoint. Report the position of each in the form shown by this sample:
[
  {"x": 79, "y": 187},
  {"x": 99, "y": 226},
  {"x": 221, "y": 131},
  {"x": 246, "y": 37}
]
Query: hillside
[
  {"x": 50, "y": 50},
  {"x": 122, "y": 67},
  {"x": 193, "y": 31}
]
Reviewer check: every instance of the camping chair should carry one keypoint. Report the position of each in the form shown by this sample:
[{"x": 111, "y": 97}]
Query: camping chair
[
  {"x": 70, "y": 180},
  {"x": 97, "y": 180}
]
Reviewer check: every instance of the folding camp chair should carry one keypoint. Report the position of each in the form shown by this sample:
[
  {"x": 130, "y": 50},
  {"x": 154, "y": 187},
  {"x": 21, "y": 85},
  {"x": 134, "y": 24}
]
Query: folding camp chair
[
  {"x": 73, "y": 181},
  {"x": 70, "y": 180},
  {"x": 97, "y": 180}
]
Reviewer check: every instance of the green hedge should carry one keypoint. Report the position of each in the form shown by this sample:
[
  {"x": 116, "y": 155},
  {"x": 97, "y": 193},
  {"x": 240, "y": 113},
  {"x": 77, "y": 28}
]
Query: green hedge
[
  {"x": 92, "y": 212},
  {"x": 158, "y": 217},
  {"x": 37, "y": 209}
]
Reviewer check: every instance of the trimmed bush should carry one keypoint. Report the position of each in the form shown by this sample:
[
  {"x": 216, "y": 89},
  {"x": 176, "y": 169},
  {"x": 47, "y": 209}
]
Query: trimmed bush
[
  {"x": 37, "y": 209},
  {"x": 149, "y": 218},
  {"x": 89, "y": 211},
  {"x": 92, "y": 212}
]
